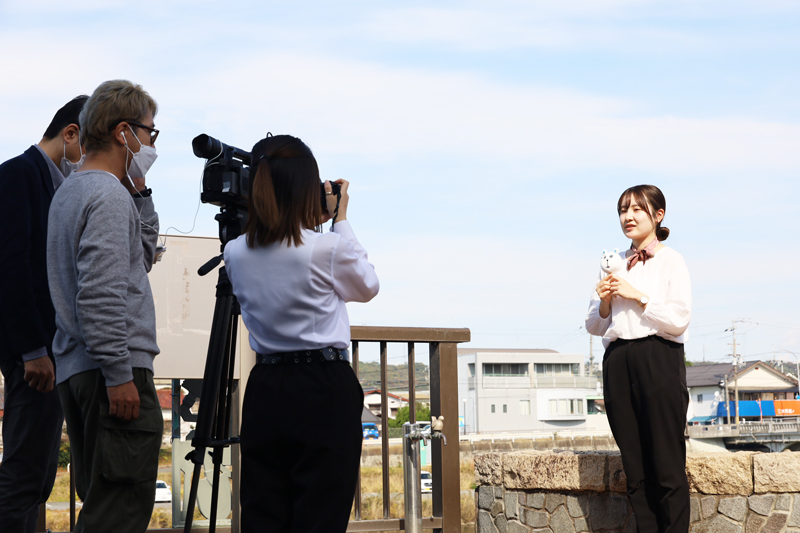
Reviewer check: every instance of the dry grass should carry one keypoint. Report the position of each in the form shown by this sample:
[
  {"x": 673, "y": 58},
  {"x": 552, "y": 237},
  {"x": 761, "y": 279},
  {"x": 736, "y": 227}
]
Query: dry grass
[
  {"x": 371, "y": 506},
  {"x": 372, "y": 482},
  {"x": 59, "y": 520},
  {"x": 165, "y": 457},
  {"x": 372, "y": 485},
  {"x": 60, "y": 492}
]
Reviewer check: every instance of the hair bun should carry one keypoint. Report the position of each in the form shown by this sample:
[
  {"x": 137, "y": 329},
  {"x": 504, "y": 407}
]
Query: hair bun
[{"x": 662, "y": 234}]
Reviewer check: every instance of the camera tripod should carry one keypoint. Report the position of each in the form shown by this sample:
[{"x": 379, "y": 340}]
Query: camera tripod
[{"x": 214, "y": 414}]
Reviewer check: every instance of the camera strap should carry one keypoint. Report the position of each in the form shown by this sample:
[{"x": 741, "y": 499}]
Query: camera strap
[{"x": 336, "y": 211}]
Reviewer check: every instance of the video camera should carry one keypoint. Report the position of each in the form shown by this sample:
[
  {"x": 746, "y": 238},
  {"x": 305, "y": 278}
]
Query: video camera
[{"x": 226, "y": 178}]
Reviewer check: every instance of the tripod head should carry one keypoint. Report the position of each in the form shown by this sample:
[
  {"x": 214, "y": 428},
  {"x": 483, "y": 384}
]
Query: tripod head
[{"x": 231, "y": 219}]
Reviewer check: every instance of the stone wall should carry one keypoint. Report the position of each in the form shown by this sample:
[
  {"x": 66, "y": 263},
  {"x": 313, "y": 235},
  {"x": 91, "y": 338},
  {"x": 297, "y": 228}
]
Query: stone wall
[
  {"x": 573, "y": 492},
  {"x": 371, "y": 452}
]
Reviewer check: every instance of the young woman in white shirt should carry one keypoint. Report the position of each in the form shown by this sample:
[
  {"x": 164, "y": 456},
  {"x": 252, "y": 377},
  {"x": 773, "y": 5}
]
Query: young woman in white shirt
[
  {"x": 642, "y": 313},
  {"x": 301, "y": 418}
]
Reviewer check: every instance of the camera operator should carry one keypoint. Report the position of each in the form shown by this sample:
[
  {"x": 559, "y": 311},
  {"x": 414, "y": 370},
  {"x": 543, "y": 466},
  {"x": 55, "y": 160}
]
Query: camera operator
[
  {"x": 301, "y": 419},
  {"x": 101, "y": 242}
]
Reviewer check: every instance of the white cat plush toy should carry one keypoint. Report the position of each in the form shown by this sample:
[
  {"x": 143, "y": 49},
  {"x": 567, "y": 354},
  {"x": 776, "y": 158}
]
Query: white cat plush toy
[{"x": 611, "y": 262}]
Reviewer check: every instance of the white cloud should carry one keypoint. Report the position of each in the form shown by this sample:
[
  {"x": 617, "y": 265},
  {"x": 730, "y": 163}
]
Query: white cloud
[
  {"x": 384, "y": 116},
  {"x": 629, "y": 26},
  {"x": 373, "y": 110}
]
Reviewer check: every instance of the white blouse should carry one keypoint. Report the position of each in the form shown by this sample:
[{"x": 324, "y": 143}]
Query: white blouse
[
  {"x": 293, "y": 297},
  {"x": 665, "y": 280}
]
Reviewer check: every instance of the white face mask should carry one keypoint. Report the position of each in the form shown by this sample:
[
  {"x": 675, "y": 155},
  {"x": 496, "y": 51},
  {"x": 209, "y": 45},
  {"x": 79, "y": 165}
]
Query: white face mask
[
  {"x": 68, "y": 167},
  {"x": 141, "y": 161}
]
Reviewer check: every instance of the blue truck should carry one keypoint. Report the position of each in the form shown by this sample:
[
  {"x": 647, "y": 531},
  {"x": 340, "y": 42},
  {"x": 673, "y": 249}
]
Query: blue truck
[{"x": 370, "y": 430}]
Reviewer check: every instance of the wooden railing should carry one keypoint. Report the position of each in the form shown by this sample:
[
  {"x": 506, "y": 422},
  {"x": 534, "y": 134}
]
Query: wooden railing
[{"x": 442, "y": 345}]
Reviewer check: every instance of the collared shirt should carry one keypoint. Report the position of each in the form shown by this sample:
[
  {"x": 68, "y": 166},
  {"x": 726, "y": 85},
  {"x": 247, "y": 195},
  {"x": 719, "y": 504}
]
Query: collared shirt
[
  {"x": 664, "y": 278},
  {"x": 58, "y": 179},
  {"x": 55, "y": 172},
  {"x": 293, "y": 297}
]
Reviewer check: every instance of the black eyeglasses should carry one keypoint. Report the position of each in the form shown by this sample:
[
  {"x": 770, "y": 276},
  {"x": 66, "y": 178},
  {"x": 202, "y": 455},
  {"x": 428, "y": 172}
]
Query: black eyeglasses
[{"x": 153, "y": 132}]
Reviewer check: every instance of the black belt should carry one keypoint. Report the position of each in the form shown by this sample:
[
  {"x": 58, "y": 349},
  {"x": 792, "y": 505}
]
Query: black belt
[{"x": 323, "y": 355}]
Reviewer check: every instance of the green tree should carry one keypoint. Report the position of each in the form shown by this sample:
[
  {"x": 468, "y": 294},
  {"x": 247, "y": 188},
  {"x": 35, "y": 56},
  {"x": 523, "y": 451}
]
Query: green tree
[
  {"x": 63, "y": 453},
  {"x": 423, "y": 414}
]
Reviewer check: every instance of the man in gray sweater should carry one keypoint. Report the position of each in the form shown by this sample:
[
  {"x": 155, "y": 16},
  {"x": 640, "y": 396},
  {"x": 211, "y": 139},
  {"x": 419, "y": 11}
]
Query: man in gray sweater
[{"x": 101, "y": 244}]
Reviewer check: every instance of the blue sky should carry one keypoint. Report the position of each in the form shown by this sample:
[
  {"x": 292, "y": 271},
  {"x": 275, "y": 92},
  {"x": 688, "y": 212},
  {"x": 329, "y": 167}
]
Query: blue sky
[{"x": 486, "y": 143}]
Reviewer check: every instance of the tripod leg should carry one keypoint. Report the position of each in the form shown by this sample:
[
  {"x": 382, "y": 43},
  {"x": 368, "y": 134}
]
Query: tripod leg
[
  {"x": 223, "y": 409},
  {"x": 209, "y": 397},
  {"x": 192, "y": 496},
  {"x": 215, "y": 490},
  {"x": 213, "y": 418}
]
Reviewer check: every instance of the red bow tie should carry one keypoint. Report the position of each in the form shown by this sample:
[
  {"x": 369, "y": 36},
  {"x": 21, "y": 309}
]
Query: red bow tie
[{"x": 642, "y": 255}]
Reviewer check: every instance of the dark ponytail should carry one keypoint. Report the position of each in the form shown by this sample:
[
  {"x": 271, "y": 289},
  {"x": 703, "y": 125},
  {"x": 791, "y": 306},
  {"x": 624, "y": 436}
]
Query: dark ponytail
[{"x": 651, "y": 199}]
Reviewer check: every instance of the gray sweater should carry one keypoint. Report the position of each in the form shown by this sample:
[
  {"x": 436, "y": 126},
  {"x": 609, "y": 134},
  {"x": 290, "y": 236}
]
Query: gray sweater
[{"x": 100, "y": 247}]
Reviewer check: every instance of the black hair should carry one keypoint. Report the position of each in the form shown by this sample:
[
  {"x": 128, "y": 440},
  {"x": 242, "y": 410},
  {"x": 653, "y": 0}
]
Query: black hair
[
  {"x": 651, "y": 199},
  {"x": 65, "y": 116},
  {"x": 284, "y": 192}
]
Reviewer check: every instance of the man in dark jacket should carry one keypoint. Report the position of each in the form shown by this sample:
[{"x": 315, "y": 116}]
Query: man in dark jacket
[{"x": 33, "y": 418}]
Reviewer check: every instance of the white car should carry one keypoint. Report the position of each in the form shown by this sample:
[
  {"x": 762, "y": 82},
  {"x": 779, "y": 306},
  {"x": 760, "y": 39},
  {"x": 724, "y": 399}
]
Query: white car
[
  {"x": 427, "y": 481},
  {"x": 163, "y": 492}
]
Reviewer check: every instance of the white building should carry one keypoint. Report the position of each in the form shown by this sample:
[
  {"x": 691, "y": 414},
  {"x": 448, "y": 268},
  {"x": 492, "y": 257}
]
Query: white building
[
  {"x": 511, "y": 390},
  {"x": 372, "y": 401}
]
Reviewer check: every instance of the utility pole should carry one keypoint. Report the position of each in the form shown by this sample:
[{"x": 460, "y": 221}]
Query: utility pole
[
  {"x": 732, "y": 329},
  {"x": 727, "y": 402},
  {"x": 591, "y": 356}
]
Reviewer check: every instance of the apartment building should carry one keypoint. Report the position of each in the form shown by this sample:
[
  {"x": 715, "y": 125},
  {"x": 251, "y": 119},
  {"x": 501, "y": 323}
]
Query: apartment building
[{"x": 518, "y": 390}]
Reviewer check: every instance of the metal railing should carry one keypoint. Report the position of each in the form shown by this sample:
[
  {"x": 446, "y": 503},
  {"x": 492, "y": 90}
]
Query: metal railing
[
  {"x": 550, "y": 382},
  {"x": 750, "y": 428},
  {"x": 713, "y": 431},
  {"x": 506, "y": 382},
  {"x": 769, "y": 427},
  {"x": 572, "y": 382}
]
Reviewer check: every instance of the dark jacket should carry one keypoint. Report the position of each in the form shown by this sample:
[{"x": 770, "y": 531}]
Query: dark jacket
[{"x": 27, "y": 317}]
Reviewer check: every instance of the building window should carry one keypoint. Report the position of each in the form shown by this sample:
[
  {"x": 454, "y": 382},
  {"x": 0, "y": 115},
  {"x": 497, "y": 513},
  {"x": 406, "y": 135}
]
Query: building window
[
  {"x": 558, "y": 369},
  {"x": 524, "y": 407},
  {"x": 505, "y": 369},
  {"x": 471, "y": 367},
  {"x": 699, "y": 398},
  {"x": 505, "y": 408},
  {"x": 594, "y": 407},
  {"x": 566, "y": 407},
  {"x": 493, "y": 408}
]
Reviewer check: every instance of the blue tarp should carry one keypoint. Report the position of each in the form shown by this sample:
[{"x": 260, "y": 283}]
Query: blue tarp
[
  {"x": 702, "y": 419},
  {"x": 748, "y": 408}
]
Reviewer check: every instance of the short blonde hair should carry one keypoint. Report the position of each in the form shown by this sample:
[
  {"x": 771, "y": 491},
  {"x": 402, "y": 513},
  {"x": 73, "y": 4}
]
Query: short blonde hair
[{"x": 111, "y": 103}]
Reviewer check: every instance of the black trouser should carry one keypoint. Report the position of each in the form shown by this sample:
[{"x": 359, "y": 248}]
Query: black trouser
[
  {"x": 31, "y": 436},
  {"x": 115, "y": 463},
  {"x": 644, "y": 385},
  {"x": 301, "y": 447}
]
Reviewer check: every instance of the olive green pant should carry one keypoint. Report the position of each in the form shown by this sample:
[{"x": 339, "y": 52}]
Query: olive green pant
[{"x": 115, "y": 463}]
